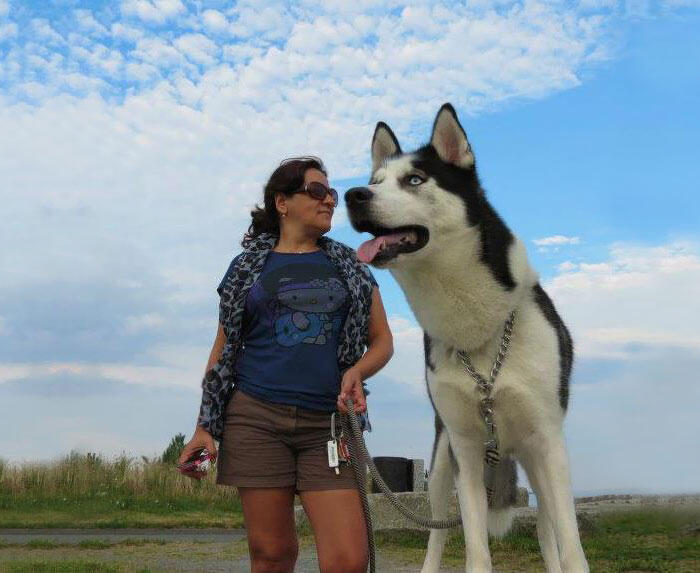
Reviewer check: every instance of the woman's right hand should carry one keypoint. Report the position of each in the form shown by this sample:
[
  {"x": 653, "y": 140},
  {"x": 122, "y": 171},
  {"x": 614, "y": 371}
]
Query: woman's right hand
[{"x": 200, "y": 439}]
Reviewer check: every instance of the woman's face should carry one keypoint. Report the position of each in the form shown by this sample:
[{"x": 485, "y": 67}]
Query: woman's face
[{"x": 312, "y": 214}]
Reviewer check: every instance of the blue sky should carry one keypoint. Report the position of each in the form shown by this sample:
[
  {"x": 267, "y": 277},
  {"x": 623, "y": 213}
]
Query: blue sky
[{"x": 136, "y": 136}]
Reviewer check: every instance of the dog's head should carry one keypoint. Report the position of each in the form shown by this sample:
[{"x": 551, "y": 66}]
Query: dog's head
[{"x": 416, "y": 202}]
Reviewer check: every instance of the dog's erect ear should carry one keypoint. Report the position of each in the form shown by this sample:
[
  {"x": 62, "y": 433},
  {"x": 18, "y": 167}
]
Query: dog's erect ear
[
  {"x": 450, "y": 140},
  {"x": 384, "y": 144}
]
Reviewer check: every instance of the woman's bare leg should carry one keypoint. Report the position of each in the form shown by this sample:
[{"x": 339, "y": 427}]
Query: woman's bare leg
[
  {"x": 269, "y": 521},
  {"x": 339, "y": 529}
]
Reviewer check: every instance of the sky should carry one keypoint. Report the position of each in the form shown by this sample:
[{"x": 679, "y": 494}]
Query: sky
[{"x": 135, "y": 137}]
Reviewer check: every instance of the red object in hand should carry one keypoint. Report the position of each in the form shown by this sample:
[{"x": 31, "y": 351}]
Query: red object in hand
[{"x": 198, "y": 464}]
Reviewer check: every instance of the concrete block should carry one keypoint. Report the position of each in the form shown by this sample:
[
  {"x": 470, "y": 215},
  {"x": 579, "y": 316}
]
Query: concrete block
[
  {"x": 386, "y": 516},
  {"x": 418, "y": 471}
]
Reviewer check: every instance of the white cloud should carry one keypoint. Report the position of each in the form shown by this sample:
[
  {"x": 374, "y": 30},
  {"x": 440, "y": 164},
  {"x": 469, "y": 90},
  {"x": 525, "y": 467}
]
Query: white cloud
[
  {"x": 137, "y": 167},
  {"x": 598, "y": 4},
  {"x": 214, "y": 20},
  {"x": 350, "y": 51},
  {"x": 258, "y": 23},
  {"x": 143, "y": 322},
  {"x": 102, "y": 59},
  {"x": 87, "y": 22},
  {"x": 4, "y": 8},
  {"x": 42, "y": 29},
  {"x": 677, "y": 4},
  {"x": 197, "y": 48},
  {"x": 632, "y": 430},
  {"x": 124, "y": 32},
  {"x": 157, "y": 52},
  {"x": 140, "y": 72},
  {"x": 406, "y": 367},
  {"x": 640, "y": 296},
  {"x": 185, "y": 370},
  {"x": 8, "y": 30},
  {"x": 638, "y": 8},
  {"x": 153, "y": 11},
  {"x": 556, "y": 240},
  {"x": 89, "y": 413},
  {"x": 185, "y": 147}
]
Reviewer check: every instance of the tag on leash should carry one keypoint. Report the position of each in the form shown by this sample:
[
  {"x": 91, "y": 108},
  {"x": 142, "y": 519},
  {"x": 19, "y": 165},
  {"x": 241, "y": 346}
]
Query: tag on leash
[
  {"x": 332, "y": 447},
  {"x": 343, "y": 450}
]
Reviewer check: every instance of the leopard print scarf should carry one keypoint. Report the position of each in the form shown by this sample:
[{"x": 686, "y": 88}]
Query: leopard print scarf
[{"x": 219, "y": 381}]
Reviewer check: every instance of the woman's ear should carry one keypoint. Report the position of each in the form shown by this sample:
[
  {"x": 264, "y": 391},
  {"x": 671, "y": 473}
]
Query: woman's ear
[{"x": 281, "y": 204}]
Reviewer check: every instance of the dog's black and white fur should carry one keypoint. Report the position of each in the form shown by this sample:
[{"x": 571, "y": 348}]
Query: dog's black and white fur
[{"x": 463, "y": 272}]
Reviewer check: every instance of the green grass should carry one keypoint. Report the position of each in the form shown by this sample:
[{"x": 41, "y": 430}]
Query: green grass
[
  {"x": 42, "y": 544},
  {"x": 90, "y": 544},
  {"x": 88, "y": 491},
  {"x": 661, "y": 540},
  {"x": 644, "y": 540},
  {"x": 86, "y": 516}
]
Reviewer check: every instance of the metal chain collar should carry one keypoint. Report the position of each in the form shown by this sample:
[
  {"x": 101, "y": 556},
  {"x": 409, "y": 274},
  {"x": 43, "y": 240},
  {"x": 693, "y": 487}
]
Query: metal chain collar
[{"x": 491, "y": 455}]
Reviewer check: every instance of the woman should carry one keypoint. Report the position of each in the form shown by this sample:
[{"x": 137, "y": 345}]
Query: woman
[{"x": 297, "y": 310}]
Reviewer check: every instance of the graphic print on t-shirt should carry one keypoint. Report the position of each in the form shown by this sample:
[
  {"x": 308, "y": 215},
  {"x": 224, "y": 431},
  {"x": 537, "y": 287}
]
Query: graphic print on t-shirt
[{"x": 304, "y": 311}]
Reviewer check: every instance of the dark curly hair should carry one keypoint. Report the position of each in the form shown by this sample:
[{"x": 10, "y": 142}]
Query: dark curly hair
[{"x": 287, "y": 178}]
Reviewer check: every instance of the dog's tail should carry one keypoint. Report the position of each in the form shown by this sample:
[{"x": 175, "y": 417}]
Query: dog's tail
[{"x": 505, "y": 491}]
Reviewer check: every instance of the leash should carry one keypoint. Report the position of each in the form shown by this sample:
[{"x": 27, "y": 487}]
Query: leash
[{"x": 359, "y": 456}]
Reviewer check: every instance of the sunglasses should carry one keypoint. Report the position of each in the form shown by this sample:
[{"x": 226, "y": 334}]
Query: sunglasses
[{"x": 318, "y": 191}]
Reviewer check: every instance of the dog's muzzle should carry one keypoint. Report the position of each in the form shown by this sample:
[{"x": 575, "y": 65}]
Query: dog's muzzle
[
  {"x": 358, "y": 197},
  {"x": 387, "y": 243}
]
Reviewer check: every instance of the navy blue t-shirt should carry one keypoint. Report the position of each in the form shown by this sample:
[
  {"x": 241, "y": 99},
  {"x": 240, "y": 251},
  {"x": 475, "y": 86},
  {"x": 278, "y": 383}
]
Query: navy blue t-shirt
[{"x": 293, "y": 317}]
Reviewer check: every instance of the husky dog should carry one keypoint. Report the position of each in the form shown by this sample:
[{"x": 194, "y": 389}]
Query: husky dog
[{"x": 464, "y": 273}]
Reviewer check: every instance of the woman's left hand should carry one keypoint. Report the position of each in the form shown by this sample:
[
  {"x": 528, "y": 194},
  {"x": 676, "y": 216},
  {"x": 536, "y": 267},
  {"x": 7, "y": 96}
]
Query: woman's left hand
[{"x": 351, "y": 387}]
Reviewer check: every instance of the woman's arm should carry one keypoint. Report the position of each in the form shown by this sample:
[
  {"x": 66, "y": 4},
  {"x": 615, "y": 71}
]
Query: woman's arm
[
  {"x": 380, "y": 344},
  {"x": 202, "y": 438},
  {"x": 380, "y": 348},
  {"x": 217, "y": 349}
]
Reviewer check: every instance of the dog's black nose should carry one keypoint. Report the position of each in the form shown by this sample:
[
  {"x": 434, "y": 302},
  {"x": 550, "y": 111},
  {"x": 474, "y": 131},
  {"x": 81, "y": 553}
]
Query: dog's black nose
[{"x": 358, "y": 195}]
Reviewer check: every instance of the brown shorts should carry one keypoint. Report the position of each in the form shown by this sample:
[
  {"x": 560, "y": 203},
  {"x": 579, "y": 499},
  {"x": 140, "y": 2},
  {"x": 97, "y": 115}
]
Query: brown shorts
[{"x": 277, "y": 445}]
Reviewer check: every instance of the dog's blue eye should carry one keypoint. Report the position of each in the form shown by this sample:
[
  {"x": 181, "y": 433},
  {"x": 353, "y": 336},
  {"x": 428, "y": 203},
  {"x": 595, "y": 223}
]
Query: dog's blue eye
[{"x": 415, "y": 180}]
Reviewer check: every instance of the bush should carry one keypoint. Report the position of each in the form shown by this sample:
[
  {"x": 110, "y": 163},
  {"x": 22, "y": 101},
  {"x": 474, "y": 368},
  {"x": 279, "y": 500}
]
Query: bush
[{"x": 174, "y": 449}]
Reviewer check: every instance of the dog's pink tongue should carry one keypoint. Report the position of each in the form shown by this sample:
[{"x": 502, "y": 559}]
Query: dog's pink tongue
[{"x": 369, "y": 249}]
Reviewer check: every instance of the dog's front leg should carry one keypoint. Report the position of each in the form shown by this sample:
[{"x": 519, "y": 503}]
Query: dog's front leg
[
  {"x": 472, "y": 501},
  {"x": 548, "y": 464},
  {"x": 545, "y": 529},
  {"x": 440, "y": 492}
]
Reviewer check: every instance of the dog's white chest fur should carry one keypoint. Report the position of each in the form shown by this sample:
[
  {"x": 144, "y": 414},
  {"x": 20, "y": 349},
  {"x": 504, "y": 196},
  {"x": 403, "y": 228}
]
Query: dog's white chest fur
[
  {"x": 456, "y": 298},
  {"x": 526, "y": 389}
]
